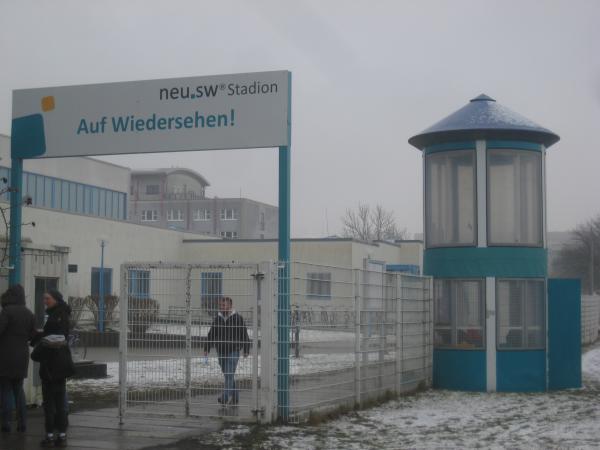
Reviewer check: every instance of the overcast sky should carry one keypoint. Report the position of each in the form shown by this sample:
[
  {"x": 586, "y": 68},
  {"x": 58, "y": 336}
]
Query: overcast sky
[{"x": 367, "y": 75}]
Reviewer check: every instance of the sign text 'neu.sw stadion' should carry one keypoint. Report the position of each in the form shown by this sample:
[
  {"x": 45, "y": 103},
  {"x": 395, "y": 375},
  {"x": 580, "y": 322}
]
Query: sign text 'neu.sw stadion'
[{"x": 199, "y": 113}]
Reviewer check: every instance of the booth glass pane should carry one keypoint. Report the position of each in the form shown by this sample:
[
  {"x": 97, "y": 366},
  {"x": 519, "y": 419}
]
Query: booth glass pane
[
  {"x": 450, "y": 198},
  {"x": 514, "y": 197},
  {"x": 520, "y": 314},
  {"x": 459, "y": 307}
]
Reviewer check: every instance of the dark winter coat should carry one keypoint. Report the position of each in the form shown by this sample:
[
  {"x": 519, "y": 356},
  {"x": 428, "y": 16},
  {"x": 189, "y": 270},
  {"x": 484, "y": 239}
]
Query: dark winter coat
[
  {"x": 55, "y": 363},
  {"x": 17, "y": 328},
  {"x": 228, "y": 334}
]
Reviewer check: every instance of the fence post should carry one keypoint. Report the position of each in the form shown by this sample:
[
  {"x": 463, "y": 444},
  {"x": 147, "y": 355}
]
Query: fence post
[
  {"x": 430, "y": 305},
  {"x": 254, "y": 402},
  {"x": 399, "y": 334},
  {"x": 357, "y": 352},
  {"x": 268, "y": 354},
  {"x": 123, "y": 328},
  {"x": 188, "y": 341}
]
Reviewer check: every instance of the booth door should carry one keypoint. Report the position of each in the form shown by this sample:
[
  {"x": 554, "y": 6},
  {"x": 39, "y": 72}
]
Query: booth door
[{"x": 564, "y": 334}]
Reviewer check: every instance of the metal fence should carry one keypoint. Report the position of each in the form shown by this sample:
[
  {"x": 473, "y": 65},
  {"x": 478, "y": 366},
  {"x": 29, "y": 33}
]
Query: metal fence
[
  {"x": 347, "y": 337},
  {"x": 590, "y": 317}
]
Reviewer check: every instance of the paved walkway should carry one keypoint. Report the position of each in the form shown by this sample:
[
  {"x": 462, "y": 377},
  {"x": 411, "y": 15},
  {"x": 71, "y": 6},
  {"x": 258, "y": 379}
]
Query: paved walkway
[{"x": 100, "y": 429}]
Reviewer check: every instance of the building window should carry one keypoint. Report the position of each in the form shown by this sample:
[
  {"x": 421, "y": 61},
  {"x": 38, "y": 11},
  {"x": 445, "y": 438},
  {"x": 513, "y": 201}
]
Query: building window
[
  {"x": 211, "y": 289},
  {"x": 520, "y": 314},
  {"x": 450, "y": 199},
  {"x": 149, "y": 215},
  {"x": 175, "y": 215},
  {"x": 229, "y": 214},
  {"x": 202, "y": 215},
  {"x": 152, "y": 189},
  {"x": 318, "y": 285},
  {"x": 262, "y": 221},
  {"x": 514, "y": 197},
  {"x": 459, "y": 314},
  {"x": 139, "y": 283},
  {"x": 229, "y": 234}
]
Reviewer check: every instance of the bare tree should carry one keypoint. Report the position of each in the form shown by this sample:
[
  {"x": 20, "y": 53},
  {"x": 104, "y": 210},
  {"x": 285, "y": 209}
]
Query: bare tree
[
  {"x": 371, "y": 224},
  {"x": 580, "y": 257}
]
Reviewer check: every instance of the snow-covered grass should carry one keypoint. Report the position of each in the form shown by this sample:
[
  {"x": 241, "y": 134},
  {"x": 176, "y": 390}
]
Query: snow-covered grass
[
  {"x": 455, "y": 420},
  {"x": 170, "y": 373},
  {"x": 305, "y": 335}
]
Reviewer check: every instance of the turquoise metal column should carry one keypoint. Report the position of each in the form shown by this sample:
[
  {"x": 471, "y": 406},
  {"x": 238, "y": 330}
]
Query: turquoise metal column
[
  {"x": 16, "y": 205},
  {"x": 283, "y": 300}
]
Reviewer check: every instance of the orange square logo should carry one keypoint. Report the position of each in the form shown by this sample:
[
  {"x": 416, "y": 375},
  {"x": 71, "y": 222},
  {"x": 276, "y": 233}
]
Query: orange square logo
[{"x": 48, "y": 103}]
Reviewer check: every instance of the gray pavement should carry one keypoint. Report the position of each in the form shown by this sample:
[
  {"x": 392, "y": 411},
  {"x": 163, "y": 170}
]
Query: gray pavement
[{"x": 100, "y": 429}]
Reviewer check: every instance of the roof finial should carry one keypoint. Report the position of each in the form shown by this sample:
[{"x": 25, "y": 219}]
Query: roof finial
[{"x": 483, "y": 98}]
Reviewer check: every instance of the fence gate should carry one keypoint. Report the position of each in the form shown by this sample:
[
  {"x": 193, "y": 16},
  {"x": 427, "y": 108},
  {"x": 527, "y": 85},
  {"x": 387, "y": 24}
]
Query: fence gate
[{"x": 166, "y": 314}]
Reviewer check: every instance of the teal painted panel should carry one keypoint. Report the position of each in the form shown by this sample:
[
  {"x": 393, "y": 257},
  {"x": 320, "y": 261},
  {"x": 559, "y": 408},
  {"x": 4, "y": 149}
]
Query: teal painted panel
[
  {"x": 517, "y": 145},
  {"x": 564, "y": 333},
  {"x": 461, "y": 370},
  {"x": 521, "y": 371},
  {"x": 520, "y": 262},
  {"x": 28, "y": 138},
  {"x": 457, "y": 145}
]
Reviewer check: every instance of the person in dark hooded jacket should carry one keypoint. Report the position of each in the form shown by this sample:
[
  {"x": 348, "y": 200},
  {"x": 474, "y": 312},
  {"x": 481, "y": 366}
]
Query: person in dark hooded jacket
[
  {"x": 17, "y": 328},
  {"x": 56, "y": 365}
]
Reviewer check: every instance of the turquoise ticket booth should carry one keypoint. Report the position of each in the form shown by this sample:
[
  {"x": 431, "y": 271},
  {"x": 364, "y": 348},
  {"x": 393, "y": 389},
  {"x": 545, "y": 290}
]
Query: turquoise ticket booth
[{"x": 485, "y": 246}]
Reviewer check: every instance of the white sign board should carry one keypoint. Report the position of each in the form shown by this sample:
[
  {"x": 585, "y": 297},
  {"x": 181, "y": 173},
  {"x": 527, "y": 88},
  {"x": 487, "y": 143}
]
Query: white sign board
[{"x": 200, "y": 113}]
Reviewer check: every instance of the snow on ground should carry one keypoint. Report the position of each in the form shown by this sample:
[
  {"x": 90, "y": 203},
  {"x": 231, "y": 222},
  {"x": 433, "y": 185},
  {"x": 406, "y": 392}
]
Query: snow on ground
[
  {"x": 305, "y": 335},
  {"x": 164, "y": 373},
  {"x": 451, "y": 420}
]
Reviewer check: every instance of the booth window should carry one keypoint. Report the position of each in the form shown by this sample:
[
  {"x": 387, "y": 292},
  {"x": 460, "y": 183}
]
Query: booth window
[
  {"x": 514, "y": 197},
  {"x": 459, "y": 314},
  {"x": 450, "y": 199},
  {"x": 520, "y": 314}
]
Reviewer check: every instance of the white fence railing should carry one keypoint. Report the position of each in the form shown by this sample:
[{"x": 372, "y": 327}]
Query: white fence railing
[
  {"x": 590, "y": 318},
  {"x": 349, "y": 336}
]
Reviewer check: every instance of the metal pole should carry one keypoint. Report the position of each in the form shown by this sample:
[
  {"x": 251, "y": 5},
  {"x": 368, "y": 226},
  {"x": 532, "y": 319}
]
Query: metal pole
[
  {"x": 101, "y": 290},
  {"x": 188, "y": 341},
  {"x": 16, "y": 205},
  {"x": 123, "y": 307},
  {"x": 357, "y": 352},
  {"x": 592, "y": 236},
  {"x": 283, "y": 302}
]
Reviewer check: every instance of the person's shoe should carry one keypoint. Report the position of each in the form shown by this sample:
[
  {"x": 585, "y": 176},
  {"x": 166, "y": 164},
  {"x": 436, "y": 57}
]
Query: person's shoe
[
  {"x": 48, "y": 442},
  {"x": 61, "y": 442}
]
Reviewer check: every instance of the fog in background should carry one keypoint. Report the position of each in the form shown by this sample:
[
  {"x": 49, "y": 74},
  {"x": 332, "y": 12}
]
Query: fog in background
[{"x": 366, "y": 75}]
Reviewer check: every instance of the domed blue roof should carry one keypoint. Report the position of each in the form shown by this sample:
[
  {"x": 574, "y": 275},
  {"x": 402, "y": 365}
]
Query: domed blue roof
[{"x": 484, "y": 118}]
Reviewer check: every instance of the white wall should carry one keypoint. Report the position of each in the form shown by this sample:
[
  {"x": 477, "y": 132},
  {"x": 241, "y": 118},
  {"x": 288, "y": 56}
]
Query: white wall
[
  {"x": 126, "y": 242},
  {"x": 81, "y": 170}
]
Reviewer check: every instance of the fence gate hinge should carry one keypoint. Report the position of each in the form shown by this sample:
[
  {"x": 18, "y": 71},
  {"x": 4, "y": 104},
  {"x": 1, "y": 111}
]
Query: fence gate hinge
[{"x": 258, "y": 276}]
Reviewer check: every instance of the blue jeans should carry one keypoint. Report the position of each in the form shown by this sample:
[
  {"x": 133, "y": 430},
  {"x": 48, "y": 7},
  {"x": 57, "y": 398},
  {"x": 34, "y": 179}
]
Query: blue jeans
[
  {"x": 13, "y": 396},
  {"x": 228, "y": 363}
]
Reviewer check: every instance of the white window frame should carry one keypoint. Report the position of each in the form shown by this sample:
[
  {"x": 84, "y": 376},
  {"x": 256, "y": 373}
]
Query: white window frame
[
  {"x": 229, "y": 214},
  {"x": 152, "y": 193},
  {"x": 174, "y": 215},
  {"x": 202, "y": 215},
  {"x": 524, "y": 328},
  {"x": 453, "y": 327},
  {"x": 229, "y": 234},
  {"x": 149, "y": 215},
  {"x": 322, "y": 282}
]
